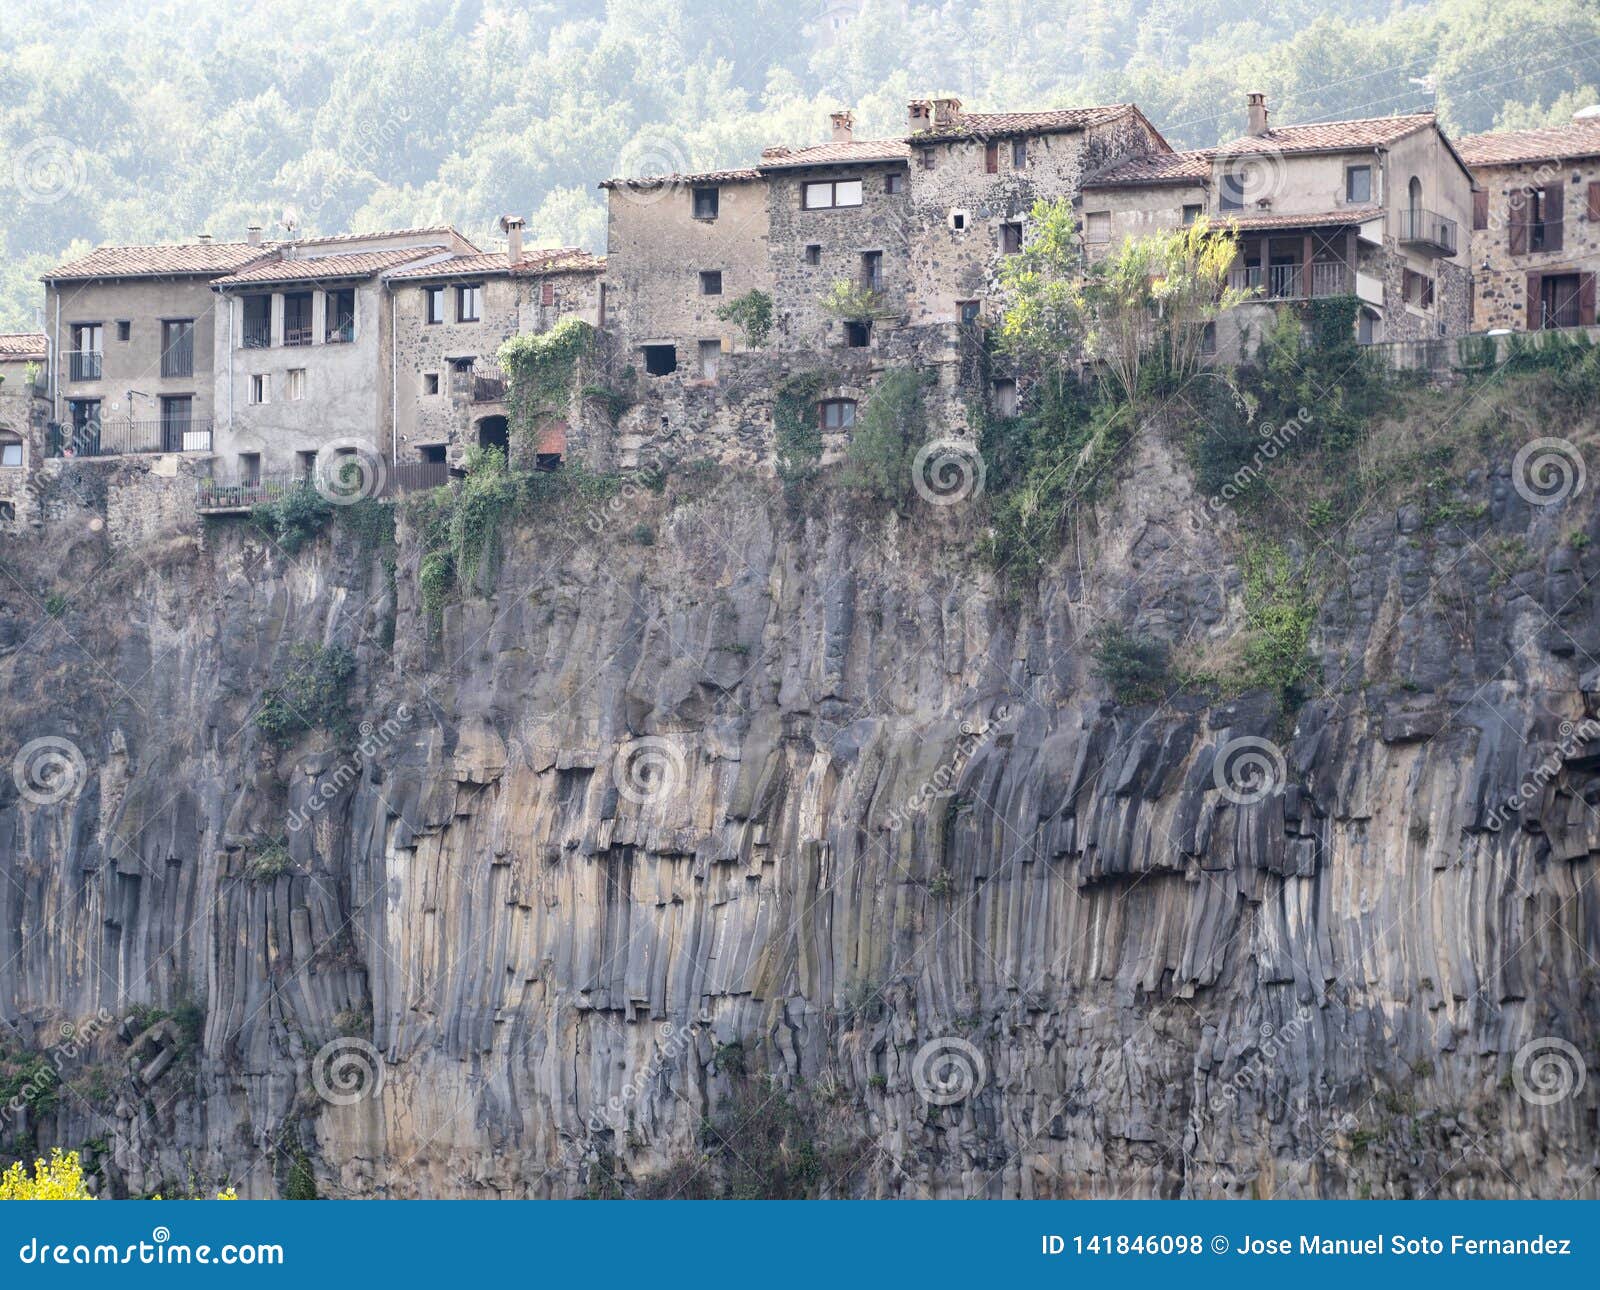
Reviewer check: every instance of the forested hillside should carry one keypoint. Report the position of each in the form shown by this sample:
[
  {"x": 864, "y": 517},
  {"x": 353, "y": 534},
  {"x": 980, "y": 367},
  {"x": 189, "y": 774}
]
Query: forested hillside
[{"x": 126, "y": 120}]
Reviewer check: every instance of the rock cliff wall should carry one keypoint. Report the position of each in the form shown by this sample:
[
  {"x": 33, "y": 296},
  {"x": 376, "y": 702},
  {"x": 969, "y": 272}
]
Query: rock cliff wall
[{"x": 810, "y": 817}]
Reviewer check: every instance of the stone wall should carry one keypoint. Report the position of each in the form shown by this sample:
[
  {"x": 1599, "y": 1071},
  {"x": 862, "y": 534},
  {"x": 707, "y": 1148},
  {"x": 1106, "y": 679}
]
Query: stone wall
[{"x": 1500, "y": 290}]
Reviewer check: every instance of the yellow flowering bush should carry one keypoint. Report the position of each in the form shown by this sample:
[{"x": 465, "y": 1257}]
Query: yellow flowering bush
[{"x": 59, "y": 1178}]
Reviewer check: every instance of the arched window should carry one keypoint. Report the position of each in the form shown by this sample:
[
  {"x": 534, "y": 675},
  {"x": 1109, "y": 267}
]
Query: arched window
[
  {"x": 837, "y": 414},
  {"x": 1414, "y": 192}
]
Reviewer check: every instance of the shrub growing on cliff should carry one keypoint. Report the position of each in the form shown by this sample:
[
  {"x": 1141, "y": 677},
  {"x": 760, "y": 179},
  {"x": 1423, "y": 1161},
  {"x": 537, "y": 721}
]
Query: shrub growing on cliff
[
  {"x": 797, "y": 434},
  {"x": 311, "y": 694},
  {"x": 1135, "y": 667},
  {"x": 886, "y": 437},
  {"x": 294, "y": 518},
  {"x": 751, "y": 313}
]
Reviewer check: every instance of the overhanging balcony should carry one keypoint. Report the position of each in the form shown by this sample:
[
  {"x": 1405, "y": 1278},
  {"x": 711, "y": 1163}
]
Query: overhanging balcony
[
  {"x": 83, "y": 364},
  {"x": 120, "y": 436},
  {"x": 1291, "y": 282},
  {"x": 1428, "y": 231}
]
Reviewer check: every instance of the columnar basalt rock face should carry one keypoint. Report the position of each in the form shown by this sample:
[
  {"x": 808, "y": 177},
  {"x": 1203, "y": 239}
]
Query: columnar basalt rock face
[{"x": 813, "y": 792}]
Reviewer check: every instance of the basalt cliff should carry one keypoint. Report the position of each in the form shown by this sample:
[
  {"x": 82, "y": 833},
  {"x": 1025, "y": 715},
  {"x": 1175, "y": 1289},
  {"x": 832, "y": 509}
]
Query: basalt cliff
[{"x": 707, "y": 843}]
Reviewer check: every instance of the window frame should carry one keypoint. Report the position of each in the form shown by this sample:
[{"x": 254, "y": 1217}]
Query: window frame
[
  {"x": 11, "y": 445},
  {"x": 845, "y": 408},
  {"x": 1019, "y": 154},
  {"x": 469, "y": 291},
  {"x": 832, "y": 185},
  {"x": 1350, "y": 172},
  {"x": 259, "y": 393},
  {"x": 710, "y": 282},
  {"x": 894, "y": 183},
  {"x": 702, "y": 191},
  {"x": 1009, "y": 230},
  {"x": 432, "y": 296}
]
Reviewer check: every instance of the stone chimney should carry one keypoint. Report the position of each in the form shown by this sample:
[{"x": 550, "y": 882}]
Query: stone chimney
[
  {"x": 512, "y": 224},
  {"x": 946, "y": 113},
  {"x": 252, "y": 235},
  {"x": 203, "y": 238},
  {"x": 1255, "y": 115},
  {"x": 843, "y": 126},
  {"x": 917, "y": 116}
]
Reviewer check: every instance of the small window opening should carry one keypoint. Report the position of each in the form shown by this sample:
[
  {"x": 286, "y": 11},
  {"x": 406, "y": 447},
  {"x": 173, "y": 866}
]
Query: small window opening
[
  {"x": 707, "y": 203},
  {"x": 711, "y": 282},
  {"x": 660, "y": 360},
  {"x": 814, "y": 253},
  {"x": 857, "y": 334}
]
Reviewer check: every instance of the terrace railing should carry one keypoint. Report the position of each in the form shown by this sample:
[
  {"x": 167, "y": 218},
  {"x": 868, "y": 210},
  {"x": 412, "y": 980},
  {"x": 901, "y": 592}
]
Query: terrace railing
[{"x": 122, "y": 436}]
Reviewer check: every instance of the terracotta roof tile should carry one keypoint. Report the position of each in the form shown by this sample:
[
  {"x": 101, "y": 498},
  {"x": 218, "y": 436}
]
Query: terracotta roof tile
[
  {"x": 433, "y": 230},
  {"x": 323, "y": 268},
  {"x": 854, "y": 152},
  {"x": 1325, "y": 219},
  {"x": 982, "y": 124},
  {"x": 704, "y": 177},
  {"x": 1158, "y": 168},
  {"x": 565, "y": 259},
  {"x": 23, "y": 344},
  {"x": 1329, "y": 136},
  {"x": 178, "y": 259},
  {"x": 1508, "y": 147}
]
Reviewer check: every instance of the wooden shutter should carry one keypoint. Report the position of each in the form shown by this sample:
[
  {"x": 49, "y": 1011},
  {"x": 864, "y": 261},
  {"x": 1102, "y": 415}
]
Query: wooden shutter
[
  {"x": 1586, "y": 300},
  {"x": 547, "y": 293},
  {"x": 991, "y": 158},
  {"x": 1480, "y": 208},
  {"x": 1535, "y": 291},
  {"x": 1519, "y": 211},
  {"x": 1554, "y": 214},
  {"x": 1594, "y": 200}
]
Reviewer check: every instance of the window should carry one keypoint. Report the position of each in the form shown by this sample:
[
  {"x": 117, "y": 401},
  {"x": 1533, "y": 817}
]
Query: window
[
  {"x": 547, "y": 293},
  {"x": 295, "y": 385},
  {"x": 433, "y": 453},
  {"x": 83, "y": 363},
  {"x": 85, "y": 415},
  {"x": 340, "y": 324},
  {"x": 660, "y": 360},
  {"x": 124, "y": 328},
  {"x": 1536, "y": 218},
  {"x": 872, "y": 270},
  {"x": 857, "y": 335},
  {"x": 433, "y": 304},
  {"x": 257, "y": 333},
  {"x": 430, "y": 382},
  {"x": 461, "y": 375},
  {"x": 958, "y": 221},
  {"x": 260, "y": 388},
  {"x": 925, "y": 158},
  {"x": 1231, "y": 192},
  {"x": 1418, "y": 289},
  {"x": 710, "y": 352},
  {"x": 306, "y": 462},
  {"x": 894, "y": 183},
  {"x": 469, "y": 302},
  {"x": 831, "y": 192},
  {"x": 1480, "y": 209},
  {"x": 1562, "y": 300},
  {"x": 1019, "y": 154},
  {"x": 1208, "y": 339},
  {"x": 837, "y": 414},
  {"x": 969, "y": 310},
  {"x": 177, "y": 347},
  {"x": 710, "y": 282},
  {"x": 8, "y": 511},
  {"x": 814, "y": 254},
  {"x": 1358, "y": 185},
  {"x": 1010, "y": 238},
  {"x": 177, "y": 419},
  {"x": 707, "y": 202},
  {"x": 1005, "y": 397},
  {"x": 991, "y": 158},
  {"x": 297, "y": 318},
  {"x": 1192, "y": 212},
  {"x": 1097, "y": 226},
  {"x": 249, "y": 469},
  {"x": 10, "y": 451}
]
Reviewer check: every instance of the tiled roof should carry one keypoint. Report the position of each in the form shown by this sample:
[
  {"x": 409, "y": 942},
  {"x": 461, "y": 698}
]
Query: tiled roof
[
  {"x": 1329, "y": 136},
  {"x": 435, "y": 230},
  {"x": 323, "y": 268},
  {"x": 856, "y": 151},
  {"x": 22, "y": 344},
  {"x": 1158, "y": 168},
  {"x": 202, "y": 259},
  {"x": 1326, "y": 219},
  {"x": 1580, "y": 139},
  {"x": 982, "y": 124},
  {"x": 704, "y": 177},
  {"x": 565, "y": 259}
]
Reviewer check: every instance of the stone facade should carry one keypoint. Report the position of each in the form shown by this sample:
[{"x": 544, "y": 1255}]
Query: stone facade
[{"x": 24, "y": 410}]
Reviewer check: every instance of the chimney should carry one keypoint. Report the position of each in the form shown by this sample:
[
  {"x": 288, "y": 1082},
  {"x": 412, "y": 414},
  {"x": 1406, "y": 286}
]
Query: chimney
[
  {"x": 1255, "y": 115},
  {"x": 512, "y": 224},
  {"x": 917, "y": 118},
  {"x": 252, "y": 234},
  {"x": 843, "y": 126},
  {"x": 203, "y": 238},
  {"x": 946, "y": 113}
]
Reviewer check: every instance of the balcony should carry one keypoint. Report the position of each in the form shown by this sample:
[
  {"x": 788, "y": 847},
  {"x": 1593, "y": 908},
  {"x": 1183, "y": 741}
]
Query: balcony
[
  {"x": 298, "y": 334},
  {"x": 341, "y": 331},
  {"x": 257, "y": 333},
  {"x": 1288, "y": 281},
  {"x": 122, "y": 436},
  {"x": 402, "y": 477},
  {"x": 481, "y": 383},
  {"x": 83, "y": 364},
  {"x": 177, "y": 359},
  {"x": 1428, "y": 231}
]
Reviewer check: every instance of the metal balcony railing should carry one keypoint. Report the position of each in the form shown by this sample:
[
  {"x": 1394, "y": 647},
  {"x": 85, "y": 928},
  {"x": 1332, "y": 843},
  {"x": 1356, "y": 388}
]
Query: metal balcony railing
[
  {"x": 122, "y": 436},
  {"x": 341, "y": 331},
  {"x": 83, "y": 364},
  {"x": 298, "y": 334},
  {"x": 257, "y": 333},
  {"x": 1288, "y": 281},
  {"x": 177, "y": 359},
  {"x": 1427, "y": 228},
  {"x": 399, "y": 478}
]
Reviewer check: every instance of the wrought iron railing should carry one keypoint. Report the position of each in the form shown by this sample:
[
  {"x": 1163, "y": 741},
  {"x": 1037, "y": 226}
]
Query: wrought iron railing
[
  {"x": 257, "y": 333},
  {"x": 177, "y": 359},
  {"x": 83, "y": 364},
  {"x": 1428, "y": 227},
  {"x": 122, "y": 436},
  {"x": 1288, "y": 281},
  {"x": 398, "y": 478}
]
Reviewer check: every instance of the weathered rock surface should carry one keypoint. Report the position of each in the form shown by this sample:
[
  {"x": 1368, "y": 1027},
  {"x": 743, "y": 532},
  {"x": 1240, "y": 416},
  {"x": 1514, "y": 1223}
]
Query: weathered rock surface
[{"x": 815, "y": 791}]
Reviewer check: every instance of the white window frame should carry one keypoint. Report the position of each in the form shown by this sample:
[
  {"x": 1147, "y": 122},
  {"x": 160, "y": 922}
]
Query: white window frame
[{"x": 837, "y": 191}]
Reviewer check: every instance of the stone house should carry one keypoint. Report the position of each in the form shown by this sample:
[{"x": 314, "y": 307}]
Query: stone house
[
  {"x": 1378, "y": 208},
  {"x": 1536, "y": 226},
  {"x": 450, "y": 393},
  {"x": 24, "y": 410},
  {"x": 130, "y": 332},
  {"x": 303, "y": 350}
]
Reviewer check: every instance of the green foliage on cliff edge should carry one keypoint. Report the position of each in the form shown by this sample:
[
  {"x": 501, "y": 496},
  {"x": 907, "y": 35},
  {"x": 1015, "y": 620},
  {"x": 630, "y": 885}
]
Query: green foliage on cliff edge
[
  {"x": 891, "y": 427},
  {"x": 311, "y": 693},
  {"x": 541, "y": 372}
]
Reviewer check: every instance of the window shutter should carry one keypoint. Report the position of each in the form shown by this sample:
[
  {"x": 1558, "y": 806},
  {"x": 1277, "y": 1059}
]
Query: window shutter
[
  {"x": 991, "y": 158},
  {"x": 1586, "y": 300},
  {"x": 1517, "y": 223},
  {"x": 1535, "y": 291},
  {"x": 1594, "y": 200},
  {"x": 547, "y": 293},
  {"x": 1480, "y": 208},
  {"x": 1554, "y": 214}
]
